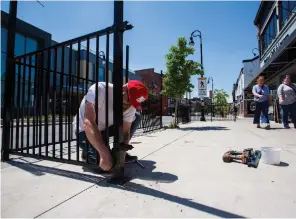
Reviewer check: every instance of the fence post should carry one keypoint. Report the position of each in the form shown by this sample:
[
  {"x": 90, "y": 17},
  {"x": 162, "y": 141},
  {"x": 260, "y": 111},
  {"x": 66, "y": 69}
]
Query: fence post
[
  {"x": 8, "y": 107},
  {"x": 117, "y": 93},
  {"x": 127, "y": 64},
  {"x": 161, "y": 75}
]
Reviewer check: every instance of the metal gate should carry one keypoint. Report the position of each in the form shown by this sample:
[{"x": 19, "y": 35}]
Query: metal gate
[{"x": 47, "y": 91}]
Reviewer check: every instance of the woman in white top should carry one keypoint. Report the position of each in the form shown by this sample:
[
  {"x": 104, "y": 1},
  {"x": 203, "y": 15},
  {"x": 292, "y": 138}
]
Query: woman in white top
[{"x": 287, "y": 99}]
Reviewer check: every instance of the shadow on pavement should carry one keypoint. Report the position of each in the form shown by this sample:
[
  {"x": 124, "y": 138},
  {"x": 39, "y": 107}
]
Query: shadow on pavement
[
  {"x": 39, "y": 170},
  {"x": 205, "y": 128},
  {"x": 136, "y": 172},
  {"x": 282, "y": 164}
]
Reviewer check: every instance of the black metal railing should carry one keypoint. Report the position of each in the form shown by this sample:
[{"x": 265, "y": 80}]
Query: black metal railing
[
  {"x": 49, "y": 87},
  {"x": 48, "y": 90},
  {"x": 151, "y": 114},
  {"x": 187, "y": 112}
]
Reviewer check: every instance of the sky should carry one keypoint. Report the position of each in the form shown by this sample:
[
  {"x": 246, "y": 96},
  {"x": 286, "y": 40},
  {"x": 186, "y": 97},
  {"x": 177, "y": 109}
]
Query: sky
[{"x": 228, "y": 32}]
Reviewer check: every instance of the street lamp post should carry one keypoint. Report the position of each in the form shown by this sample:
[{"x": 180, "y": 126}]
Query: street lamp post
[
  {"x": 212, "y": 80},
  {"x": 254, "y": 52},
  {"x": 197, "y": 33}
]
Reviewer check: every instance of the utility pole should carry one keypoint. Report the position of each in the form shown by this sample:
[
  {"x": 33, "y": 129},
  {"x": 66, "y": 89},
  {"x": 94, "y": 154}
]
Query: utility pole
[{"x": 8, "y": 107}]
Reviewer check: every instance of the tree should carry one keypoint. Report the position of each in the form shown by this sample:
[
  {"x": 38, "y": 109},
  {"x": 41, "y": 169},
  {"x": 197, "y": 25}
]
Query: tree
[
  {"x": 220, "y": 101},
  {"x": 179, "y": 71}
]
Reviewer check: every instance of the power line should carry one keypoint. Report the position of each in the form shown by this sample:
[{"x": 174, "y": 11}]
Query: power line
[{"x": 40, "y": 3}]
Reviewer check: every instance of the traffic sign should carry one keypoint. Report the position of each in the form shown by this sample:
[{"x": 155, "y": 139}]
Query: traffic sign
[{"x": 202, "y": 87}]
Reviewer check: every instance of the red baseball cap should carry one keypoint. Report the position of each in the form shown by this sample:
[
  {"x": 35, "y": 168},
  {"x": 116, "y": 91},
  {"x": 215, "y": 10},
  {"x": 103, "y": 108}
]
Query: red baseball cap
[{"x": 137, "y": 93}]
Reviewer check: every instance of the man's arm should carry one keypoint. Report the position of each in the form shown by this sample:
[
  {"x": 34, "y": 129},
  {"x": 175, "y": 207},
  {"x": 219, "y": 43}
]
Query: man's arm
[
  {"x": 93, "y": 134},
  {"x": 126, "y": 131}
]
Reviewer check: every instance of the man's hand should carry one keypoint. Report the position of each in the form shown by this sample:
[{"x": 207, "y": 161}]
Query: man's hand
[
  {"x": 94, "y": 136},
  {"x": 281, "y": 100},
  {"x": 260, "y": 96}
]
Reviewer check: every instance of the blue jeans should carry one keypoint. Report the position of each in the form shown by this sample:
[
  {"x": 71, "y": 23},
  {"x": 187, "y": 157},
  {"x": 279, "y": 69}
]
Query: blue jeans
[
  {"x": 286, "y": 109},
  {"x": 262, "y": 118},
  {"x": 92, "y": 152},
  {"x": 261, "y": 107}
]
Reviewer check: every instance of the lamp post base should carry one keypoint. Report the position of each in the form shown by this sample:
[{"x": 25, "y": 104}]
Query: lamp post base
[{"x": 203, "y": 119}]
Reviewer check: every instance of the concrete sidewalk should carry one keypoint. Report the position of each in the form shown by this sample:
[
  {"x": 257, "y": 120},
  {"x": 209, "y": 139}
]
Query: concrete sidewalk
[{"x": 184, "y": 177}]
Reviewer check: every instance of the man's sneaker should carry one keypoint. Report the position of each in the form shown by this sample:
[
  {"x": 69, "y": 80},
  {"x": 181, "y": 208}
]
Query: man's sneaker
[
  {"x": 258, "y": 126},
  {"x": 267, "y": 127},
  {"x": 130, "y": 158},
  {"x": 286, "y": 126}
]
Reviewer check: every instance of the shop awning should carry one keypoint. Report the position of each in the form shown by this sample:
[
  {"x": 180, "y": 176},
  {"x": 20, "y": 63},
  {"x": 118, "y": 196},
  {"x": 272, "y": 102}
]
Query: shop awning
[{"x": 280, "y": 60}]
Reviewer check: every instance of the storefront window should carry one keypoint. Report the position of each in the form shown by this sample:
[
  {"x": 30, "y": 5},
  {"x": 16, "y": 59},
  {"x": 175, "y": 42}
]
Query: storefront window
[
  {"x": 31, "y": 45},
  {"x": 101, "y": 74},
  {"x": 287, "y": 9},
  {"x": 270, "y": 32},
  {"x": 20, "y": 45}
]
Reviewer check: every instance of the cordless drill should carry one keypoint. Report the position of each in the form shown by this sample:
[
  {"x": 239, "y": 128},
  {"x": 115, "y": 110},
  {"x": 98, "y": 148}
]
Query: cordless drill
[{"x": 247, "y": 156}]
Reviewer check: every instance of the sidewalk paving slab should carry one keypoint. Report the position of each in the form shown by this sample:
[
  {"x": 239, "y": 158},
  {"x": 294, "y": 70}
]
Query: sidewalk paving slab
[{"x": 184, "y": 177}]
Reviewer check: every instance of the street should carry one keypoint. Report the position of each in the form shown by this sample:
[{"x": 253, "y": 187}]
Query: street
[{"x": 22, "y": 135}]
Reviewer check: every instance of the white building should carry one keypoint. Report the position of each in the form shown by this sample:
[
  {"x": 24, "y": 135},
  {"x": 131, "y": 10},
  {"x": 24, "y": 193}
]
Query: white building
[{"x": 247, "y": 74}]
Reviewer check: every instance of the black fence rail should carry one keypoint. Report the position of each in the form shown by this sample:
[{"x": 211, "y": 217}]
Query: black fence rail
[
  {"x": 48, "y": 89},
  {"x": 151, "y": 114},
  {"x": 187, "y": 113}
]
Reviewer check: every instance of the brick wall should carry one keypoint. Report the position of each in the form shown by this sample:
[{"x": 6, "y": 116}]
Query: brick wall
[{"x": 153, "y": 82}]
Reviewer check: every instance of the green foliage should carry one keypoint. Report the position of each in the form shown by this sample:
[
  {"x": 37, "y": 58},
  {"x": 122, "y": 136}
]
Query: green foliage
[
  {"x": 220, "y": 101},
  {"x": 179, "y": 71},
  {"x": 172, "y": 125}
]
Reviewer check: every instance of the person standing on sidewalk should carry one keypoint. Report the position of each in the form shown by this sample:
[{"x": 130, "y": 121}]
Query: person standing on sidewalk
[
  {"x": 134, "y": 93},
  {"x": 287, "y": 99},
  {"x": 261, "y": 96}
]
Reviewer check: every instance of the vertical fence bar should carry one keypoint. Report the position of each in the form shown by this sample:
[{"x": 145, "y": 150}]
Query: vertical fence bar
[
  {"x": 23, "y": 102},
  {"x": 46, "y": 100},
  {"x": 86, "y": 87},
  {"x": 41, "y": 93},
  {"x": 9, "y": 80},
  {"x": 61, "y": 102},
  {"x": 54, "y": 100},
  {"x": 69, "y": 103},
  {"x": 161, "y": 75},
  {"x": 34, "y": 137},
  {"x": 107, "y": 90},
  {"x": 29, "y": 103},
  {"x": 126, "y": 64},
  {"x": 97, "y": 89},
  {"x": 78, "y": 101},
  {"x": 17, "y": 139},
  {"x": 72, "y": 94}
]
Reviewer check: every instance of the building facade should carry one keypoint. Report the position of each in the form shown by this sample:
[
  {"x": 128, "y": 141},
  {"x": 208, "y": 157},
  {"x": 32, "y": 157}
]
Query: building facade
[
  {"x": 248, "y": 73},
  {"x": 29, "y": 39},
  {"x": 276, "y": 25},
  {"x": 153, "y": 82}
]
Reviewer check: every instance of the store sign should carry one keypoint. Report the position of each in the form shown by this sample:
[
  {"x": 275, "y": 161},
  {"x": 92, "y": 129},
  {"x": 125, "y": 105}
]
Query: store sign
[{"x": 275, "y": 48}]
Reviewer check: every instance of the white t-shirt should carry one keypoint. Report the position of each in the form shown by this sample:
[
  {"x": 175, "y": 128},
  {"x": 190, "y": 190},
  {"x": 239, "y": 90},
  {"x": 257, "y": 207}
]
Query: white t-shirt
[{"x": 128, "y": 115}]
